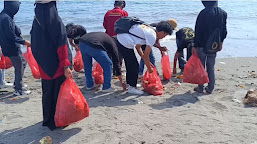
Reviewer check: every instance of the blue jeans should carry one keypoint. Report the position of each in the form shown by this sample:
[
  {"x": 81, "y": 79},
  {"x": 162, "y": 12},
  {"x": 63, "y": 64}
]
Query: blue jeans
[
  {"x": 2, "y": 77},
  {"x": 208, "y": 61},
  {"x": 142, "y": 63},
  {"x": 102, "y": 58}
]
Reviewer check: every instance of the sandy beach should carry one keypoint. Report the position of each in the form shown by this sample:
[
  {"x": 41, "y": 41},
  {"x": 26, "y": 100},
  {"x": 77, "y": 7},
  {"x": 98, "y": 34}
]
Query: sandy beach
[{"x": 179, "y": 116}]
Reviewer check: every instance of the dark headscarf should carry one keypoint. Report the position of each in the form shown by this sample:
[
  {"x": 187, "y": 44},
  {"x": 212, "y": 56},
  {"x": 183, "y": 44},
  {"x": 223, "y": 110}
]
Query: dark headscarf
[
  {"x": 208, "y": 4},
  {"x": 11, "y": 7},
  {"x": 48, "y": 34}
]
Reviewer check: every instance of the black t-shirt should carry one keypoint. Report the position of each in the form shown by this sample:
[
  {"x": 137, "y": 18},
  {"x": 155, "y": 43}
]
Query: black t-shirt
[
  {"x": 184, "y": 37},
  {"x": 101, "y": 40}
]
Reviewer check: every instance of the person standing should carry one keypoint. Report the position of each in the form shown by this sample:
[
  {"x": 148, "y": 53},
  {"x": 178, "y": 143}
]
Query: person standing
[
  {"x": 113, "y": 15},
  {"x": 10, "y": 41},
  {"x": 210, "y": 24},
  {"x": 49, "y": 47}
]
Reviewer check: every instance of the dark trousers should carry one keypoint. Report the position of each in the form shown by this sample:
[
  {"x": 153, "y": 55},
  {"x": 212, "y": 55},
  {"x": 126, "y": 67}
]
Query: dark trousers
[
  {"x": 50, "y": 89},
  {"x": 208, "y": 61},
  {"x": 19, "y": 63},
  {"x": 131, "y": 63}
]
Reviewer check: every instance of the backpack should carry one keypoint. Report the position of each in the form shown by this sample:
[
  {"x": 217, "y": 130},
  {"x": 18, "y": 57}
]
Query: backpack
[
  {"x": 213, "y": 42},
  {"x": 123, "y": 25}
]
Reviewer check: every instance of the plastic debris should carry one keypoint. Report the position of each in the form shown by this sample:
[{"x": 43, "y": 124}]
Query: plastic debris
[
  {"x": 242, "y": 86},
  {"x": 236, "y": 101},
  {"x": 180, "y": 76},
  {"x": 46, "y": 140},
  {"x": 222, "y": 63}
]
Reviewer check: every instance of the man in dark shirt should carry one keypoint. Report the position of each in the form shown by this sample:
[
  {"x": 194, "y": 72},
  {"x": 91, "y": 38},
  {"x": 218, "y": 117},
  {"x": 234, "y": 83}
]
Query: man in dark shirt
[
  {"x": 74, "y": 32},
  {"x": 209, "y": 19},
  {"x": 10, "y": 41},
  {"x": 184, "y": 39},
  {"x": 100, "y": 46}
]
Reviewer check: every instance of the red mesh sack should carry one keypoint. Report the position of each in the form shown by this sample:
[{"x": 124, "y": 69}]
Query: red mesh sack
[
  {"x": 78, "y": 62},
  {"x": 32, "y": 63},
  {"x": 71, "y": 105},
  {"x": 5, "y": 62},
  {"x": 98, "y": 73},
  {"x": 166, "y": 68},
  {"x": 152, "y": 83},
  {"x": 194, "y": 72}
]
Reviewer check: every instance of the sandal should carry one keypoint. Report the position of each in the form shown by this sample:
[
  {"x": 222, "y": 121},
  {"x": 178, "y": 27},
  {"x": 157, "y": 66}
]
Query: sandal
[{"x": 197, "y": 89}]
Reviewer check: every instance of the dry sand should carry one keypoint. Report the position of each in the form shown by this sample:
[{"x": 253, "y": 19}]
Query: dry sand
[{"x": 180, "y": 116}]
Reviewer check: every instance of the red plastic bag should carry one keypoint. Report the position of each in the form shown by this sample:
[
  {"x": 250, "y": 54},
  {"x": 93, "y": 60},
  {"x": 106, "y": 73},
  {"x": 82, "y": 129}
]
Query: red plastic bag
[
  {"x": 78, "y": 62},
  {"x": 98, "y": 73},
  {"x": 194, "y": 71},
  {"x": 71, "y": 105},
  {"x": 5, "y": 62},
  {"x": 152, "y": 83},
  {"x": 32, "y": 63},
  {"x": 166, "y": 68}
]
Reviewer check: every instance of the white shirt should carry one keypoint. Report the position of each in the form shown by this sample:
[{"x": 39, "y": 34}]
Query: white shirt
[{"x": 129, "y": 41}]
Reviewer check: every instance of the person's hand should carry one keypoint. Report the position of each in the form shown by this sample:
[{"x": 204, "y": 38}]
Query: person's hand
[
  {"x": 76, "y": 48},
  {"x": 194, "y": 50},
  {"x": 150, "y": 70},
  {"x": 124, "y": 86},
  {"x": 27, "y": 43},
  {"x": 163, "y": 49},
  {"x": 67, "y": 72}
]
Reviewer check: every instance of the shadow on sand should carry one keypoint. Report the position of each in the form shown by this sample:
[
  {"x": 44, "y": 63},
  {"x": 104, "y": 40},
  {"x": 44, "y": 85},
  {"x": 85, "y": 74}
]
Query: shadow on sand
[{"x": 33, "y": 134}]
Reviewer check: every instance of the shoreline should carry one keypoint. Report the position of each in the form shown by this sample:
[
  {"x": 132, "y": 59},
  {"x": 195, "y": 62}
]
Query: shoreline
[{"x": 178, "y": 116}]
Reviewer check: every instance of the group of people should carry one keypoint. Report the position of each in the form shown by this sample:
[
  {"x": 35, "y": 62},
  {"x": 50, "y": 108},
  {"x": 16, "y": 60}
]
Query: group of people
[{"x": 49, "y": 44}]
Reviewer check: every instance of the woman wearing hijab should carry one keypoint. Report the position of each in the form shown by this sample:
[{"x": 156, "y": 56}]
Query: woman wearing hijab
[{"x": 49, "y": 47}]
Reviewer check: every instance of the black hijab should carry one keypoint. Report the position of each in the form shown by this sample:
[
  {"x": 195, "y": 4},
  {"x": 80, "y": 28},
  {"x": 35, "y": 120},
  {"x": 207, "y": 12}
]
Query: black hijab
[
  {"x": 48, "y": 34},
  {"x": 209, "y": 4}
]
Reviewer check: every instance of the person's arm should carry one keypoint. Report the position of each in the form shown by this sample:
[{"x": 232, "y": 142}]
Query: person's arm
[
  {"x": 198, "y": 30},
  {"x": 139, "y": 50},
  {"x": 146, "y": 58},
  {"x": 158, "y": 45},
  {"x": 224, "y": 31},
  {"x": 125, "y": 13},
  {"x": 105, "y": 21},
  {"x": 113, "y": 51},
  {"x": 71, "y": 42},
  {"x": 9, "y": 31},
  {"x": 64, "y": 61},
  {"x": 175, "y": 62}
]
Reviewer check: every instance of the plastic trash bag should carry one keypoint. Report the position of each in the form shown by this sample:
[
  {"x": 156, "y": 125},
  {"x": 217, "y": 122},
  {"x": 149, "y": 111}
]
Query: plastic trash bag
[
  {"x": 32, "y": 63},
  {"x": 71, "y": 105},
  {"x": 5, "y": 62},
  {"x": 166, "y": 68},
  {"x": 98, "y": 73},
  {"x": 152, "y": 83},
  {"x": 194, "y": 72},
  {"x": 78, "y": 62}
]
